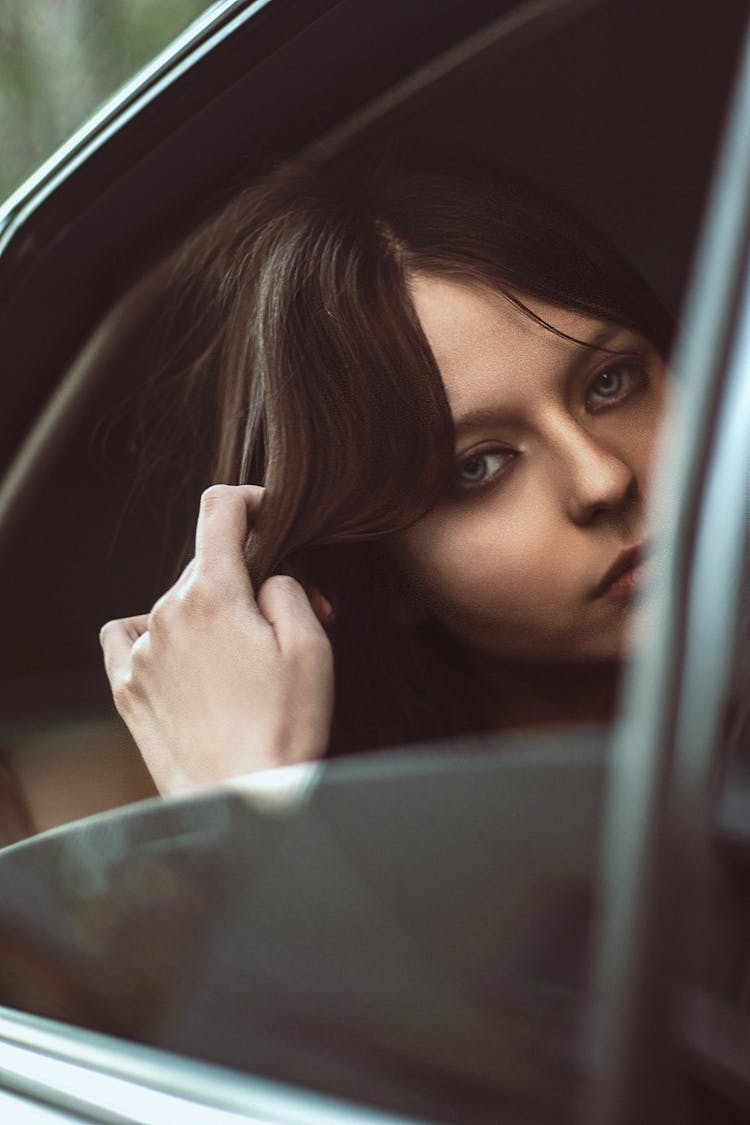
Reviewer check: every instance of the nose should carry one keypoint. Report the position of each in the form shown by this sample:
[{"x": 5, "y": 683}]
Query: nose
[{"x": 597, "y": 480}]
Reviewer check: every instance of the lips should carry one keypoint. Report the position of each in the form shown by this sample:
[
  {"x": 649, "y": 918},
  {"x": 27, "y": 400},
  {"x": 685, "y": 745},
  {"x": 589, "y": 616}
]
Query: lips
[{"x": 621, "y": 576}]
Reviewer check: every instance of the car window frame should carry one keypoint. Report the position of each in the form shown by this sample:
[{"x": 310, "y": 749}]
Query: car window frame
[
  {"x": 91, "y": 1076},
  {"x": 658, "y": 858}
]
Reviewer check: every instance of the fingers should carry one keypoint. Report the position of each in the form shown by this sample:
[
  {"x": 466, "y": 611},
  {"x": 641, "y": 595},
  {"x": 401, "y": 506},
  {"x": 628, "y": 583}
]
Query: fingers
[
  {"x": 117, "y": 639},
  {"x": 225, "y": 512},
  {"x": 286, "y": 607}
]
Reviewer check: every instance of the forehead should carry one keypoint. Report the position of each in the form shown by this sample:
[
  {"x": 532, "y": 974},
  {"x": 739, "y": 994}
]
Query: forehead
[{"x": 484, "y": 344}]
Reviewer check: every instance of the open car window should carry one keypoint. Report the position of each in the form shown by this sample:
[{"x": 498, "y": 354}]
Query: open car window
[
  {"x": 75, "y": 469},
  {"x": 61, "y": 62},
  {"x": 411, "y": 934}
]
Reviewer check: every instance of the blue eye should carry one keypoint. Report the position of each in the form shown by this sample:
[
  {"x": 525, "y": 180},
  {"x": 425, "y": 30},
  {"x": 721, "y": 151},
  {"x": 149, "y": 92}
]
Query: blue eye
[
  {"x": 615, "y": 383},
  {"x": 609, "y": 383},
  {"x": 480, "y": 468}
]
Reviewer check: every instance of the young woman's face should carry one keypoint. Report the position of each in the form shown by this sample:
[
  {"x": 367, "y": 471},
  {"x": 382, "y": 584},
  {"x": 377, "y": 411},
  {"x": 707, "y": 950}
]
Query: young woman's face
[{"x": 554, "y": 449}]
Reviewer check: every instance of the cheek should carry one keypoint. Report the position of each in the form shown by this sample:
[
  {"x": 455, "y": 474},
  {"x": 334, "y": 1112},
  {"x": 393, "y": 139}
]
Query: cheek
[{"x": 473, "y": 567}]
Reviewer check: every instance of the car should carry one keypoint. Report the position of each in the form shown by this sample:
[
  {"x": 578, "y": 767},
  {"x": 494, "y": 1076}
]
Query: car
[{"x": 518, "y": 929}]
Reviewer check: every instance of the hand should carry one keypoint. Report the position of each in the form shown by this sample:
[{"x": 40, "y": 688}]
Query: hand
[{"x": 215, "y": 682}]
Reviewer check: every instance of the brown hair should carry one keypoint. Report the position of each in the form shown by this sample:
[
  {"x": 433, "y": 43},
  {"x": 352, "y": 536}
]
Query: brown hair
[{"x": 323, "y": 388}]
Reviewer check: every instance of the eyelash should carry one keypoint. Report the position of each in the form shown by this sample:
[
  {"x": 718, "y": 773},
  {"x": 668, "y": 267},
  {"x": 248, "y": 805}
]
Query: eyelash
[{"x": 634, "y": 367}]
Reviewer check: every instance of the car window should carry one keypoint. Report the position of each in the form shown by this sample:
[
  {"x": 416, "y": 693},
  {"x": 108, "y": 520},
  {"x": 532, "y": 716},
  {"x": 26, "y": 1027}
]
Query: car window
[
  {"x": 59, "y": 62},
  {"x": 129, "y": 534}
]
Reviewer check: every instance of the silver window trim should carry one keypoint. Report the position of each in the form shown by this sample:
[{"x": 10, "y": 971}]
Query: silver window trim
[
  {"x": 100, "y": 1078},
  {"x": 200, "y": 38}
]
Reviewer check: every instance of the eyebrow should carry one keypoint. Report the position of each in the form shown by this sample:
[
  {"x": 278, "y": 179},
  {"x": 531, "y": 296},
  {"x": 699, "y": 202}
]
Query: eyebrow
[
  {"x": 598, "y": 342},
  {"x": 473, "y": 419}
]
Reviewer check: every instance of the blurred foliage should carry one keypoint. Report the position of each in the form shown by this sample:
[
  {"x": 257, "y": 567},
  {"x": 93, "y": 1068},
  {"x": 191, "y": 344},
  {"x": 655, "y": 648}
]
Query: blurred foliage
[{"x": 60, "y": 59}]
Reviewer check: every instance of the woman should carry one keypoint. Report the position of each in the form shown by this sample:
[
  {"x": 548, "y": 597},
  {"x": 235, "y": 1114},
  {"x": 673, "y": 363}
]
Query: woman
[{"x": 437, "y": 398}]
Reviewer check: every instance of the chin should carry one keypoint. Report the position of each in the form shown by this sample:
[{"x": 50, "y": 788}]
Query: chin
[{"x": 611, "y": 650}]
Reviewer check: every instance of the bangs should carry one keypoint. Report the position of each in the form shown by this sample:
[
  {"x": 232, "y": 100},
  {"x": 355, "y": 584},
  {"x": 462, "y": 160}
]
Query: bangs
[{"x": 358, "y": 437}]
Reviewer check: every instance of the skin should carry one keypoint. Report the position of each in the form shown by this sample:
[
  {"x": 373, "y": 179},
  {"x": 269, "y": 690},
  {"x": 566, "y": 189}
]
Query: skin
[
  {"x": 555, "y": 445},
  {"x": 554, "y": 453},
  {"x": 215, "y": 682}
]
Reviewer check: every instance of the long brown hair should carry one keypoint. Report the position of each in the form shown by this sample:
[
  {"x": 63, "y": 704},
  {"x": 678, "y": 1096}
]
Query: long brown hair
[{"x": 321, "y": 385}]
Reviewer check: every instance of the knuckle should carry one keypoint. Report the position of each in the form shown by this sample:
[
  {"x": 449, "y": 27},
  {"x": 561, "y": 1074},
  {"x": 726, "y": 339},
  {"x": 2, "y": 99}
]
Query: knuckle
[
  {"x": 126, "y": 693},
  {"x": 139, "y": 658},
  {"x": 215, "y": 494},
  {"x": 276, "y": 597},
  {"x": 283, "y": 583},
  {"x": 137, "y": 677},
  {"x": 161, "y": 614},
  {"x": 104, "y": 632},
  {"x": 200, "y": 597}
]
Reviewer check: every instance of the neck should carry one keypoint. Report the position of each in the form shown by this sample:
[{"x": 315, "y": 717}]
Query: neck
[{"x": 546, "y": 694}]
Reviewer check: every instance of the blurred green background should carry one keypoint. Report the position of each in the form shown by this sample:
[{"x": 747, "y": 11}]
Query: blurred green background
[{"x": 60, "y": 59}]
